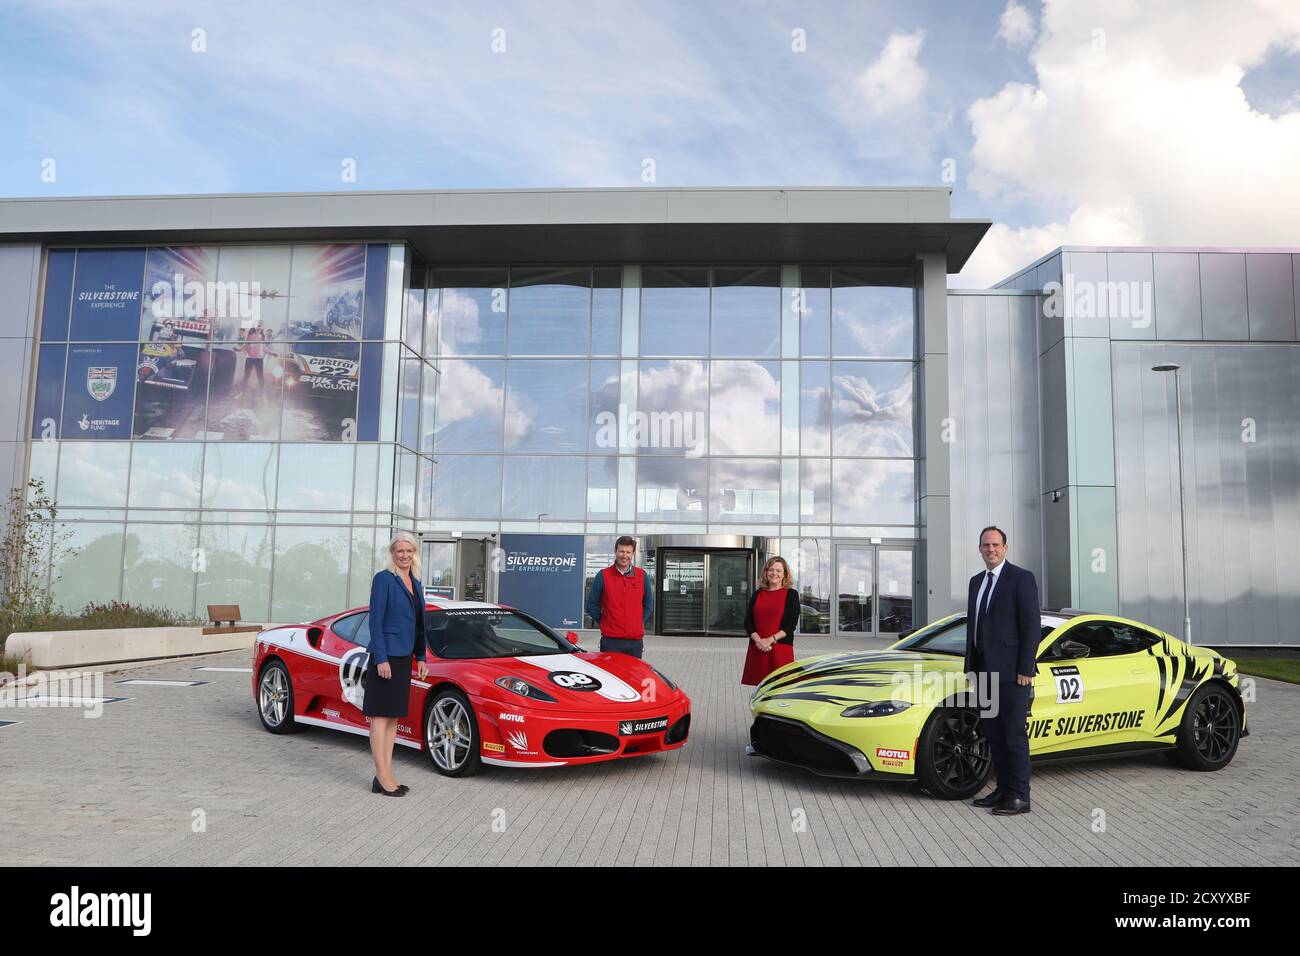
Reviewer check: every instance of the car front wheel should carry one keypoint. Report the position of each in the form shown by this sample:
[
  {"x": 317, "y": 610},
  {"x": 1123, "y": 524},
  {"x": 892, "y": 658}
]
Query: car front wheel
[
  {"x": 1210, "y": 731},
  {"x": 953, "y": 760},
  {"x": 451, "y": 734},
  {"x": 275, "y": 699}
]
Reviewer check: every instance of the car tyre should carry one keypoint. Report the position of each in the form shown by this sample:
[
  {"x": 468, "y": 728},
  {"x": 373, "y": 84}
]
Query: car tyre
[
  {"x": 953, "y": 760},
  {"x": 451, "y": 735},
  {"x": 275, "y": 698},
  {"x": 1210, "y": 730}
]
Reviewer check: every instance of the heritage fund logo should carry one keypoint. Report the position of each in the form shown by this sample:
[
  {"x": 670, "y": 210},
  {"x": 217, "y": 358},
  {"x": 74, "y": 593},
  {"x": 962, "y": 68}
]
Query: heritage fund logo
[{"x": 76, "y": 909}]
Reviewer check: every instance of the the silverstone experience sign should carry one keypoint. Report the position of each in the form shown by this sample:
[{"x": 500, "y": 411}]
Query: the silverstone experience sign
[{"x": 541, "y": 575}]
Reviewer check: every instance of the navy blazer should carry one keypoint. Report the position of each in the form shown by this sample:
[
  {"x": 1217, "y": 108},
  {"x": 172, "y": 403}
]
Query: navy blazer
[
  {"x": 396, "y": 630},
  {"x": 1013, "y": 625}
]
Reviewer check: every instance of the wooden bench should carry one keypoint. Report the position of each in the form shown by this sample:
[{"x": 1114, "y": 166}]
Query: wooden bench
[{"x": 225, "y": 620}]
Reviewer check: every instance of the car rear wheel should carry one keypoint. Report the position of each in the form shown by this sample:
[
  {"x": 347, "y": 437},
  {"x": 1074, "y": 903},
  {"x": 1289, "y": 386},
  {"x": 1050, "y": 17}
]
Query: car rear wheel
[
  {"x": 451, "y": 734},
  {"x": 953, "y": 760},
  {"x": 1210, "y": 731},
  {"x": 275, "y": 699}
]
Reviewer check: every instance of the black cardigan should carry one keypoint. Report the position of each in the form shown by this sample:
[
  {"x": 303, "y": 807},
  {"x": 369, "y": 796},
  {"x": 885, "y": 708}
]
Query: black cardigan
[{"x": 789, "y": 617}]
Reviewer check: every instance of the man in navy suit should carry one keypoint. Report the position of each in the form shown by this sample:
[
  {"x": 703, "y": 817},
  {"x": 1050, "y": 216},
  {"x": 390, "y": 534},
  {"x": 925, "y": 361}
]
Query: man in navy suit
[{"x": 1003, "y": 628}]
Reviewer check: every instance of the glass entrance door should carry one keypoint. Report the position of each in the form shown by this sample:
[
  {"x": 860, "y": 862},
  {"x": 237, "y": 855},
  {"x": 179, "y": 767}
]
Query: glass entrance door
[
  {"x": 705, "y": 592},
  {"x": 855, "y": 589},
  {"x": 894, "y": 587},
  {"x": 682, "y": 605},
  {"x": 455, "y": 569},
  {"x": 728, "y": 577},
  {"x": 874, "y": 593}
]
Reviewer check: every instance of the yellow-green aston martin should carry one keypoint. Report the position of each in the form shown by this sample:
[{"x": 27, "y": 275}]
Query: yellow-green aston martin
[{"x": 1105, "y": 685}]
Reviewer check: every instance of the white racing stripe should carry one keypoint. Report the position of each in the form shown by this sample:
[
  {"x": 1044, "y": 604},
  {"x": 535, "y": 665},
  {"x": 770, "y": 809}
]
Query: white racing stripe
[
  {"x": 611, "y": 687},
  {"x": 498, "y": 762}
]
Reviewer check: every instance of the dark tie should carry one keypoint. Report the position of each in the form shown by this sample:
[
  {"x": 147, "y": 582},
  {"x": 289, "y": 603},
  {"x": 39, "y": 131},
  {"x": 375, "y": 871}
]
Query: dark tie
[{"x": 981, "y": 611}]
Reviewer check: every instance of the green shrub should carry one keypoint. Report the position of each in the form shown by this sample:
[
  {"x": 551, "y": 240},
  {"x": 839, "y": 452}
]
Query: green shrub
[{"x": 93, "y": 617}]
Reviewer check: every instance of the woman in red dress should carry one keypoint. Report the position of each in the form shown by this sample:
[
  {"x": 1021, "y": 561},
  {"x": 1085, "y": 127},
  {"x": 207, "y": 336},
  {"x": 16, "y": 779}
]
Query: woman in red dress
[{"x": 770, "y": 620}]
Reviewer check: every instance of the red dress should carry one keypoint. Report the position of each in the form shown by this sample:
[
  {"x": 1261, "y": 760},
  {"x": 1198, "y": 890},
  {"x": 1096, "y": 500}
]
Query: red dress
[{"x": 769, "y": 606}]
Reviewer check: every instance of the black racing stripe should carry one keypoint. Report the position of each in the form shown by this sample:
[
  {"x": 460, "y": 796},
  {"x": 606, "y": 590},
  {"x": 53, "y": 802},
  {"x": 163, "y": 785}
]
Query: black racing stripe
[
  {"x": 855, "y": 665},
  {"x": 1162, "y": 667},
  {"x": 1191, "y": 680},
  {"x": 808, "y": 695}
]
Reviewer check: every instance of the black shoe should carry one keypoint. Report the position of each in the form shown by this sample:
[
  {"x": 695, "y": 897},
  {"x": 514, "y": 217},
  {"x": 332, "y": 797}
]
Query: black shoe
[
  {"x": 1010, "y": 807},
  {"x": 377, "y": 787},
  {"x": 992, "y": 800}
]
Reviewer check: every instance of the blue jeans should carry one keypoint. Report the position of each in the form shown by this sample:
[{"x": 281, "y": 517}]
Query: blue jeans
[{"x": 622, "y": 645}]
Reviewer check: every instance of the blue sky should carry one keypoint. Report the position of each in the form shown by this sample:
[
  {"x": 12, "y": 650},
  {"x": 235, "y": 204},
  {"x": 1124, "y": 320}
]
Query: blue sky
[{"x": 1055, "y": 134}]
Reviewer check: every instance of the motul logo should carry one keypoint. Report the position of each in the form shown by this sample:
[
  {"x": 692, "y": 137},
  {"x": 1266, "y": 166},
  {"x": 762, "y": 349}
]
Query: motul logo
[{"x": 893, "y": 754}]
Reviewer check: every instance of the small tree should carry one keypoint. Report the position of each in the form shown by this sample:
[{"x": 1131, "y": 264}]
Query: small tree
[{"x": 30, "y": 539}]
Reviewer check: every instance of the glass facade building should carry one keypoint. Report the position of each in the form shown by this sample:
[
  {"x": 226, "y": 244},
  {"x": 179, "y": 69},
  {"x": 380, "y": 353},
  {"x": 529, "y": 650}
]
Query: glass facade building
[{"x": 245, "y": 415}]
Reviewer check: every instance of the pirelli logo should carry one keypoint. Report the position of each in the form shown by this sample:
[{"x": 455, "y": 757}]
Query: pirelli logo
[{"x": 494, "y": 748}]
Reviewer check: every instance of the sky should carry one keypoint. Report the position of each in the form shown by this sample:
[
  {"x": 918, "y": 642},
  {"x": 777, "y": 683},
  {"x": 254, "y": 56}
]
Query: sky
[{"x": 1084, "y": 122}]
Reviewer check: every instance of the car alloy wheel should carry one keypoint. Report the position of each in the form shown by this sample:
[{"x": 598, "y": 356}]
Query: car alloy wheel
[
  {"x": 447, "y": 734},
  {"x": 1214, "y": 727},
  {"x": 961, "y": 752},
  {"x": 273, "y": 696}
]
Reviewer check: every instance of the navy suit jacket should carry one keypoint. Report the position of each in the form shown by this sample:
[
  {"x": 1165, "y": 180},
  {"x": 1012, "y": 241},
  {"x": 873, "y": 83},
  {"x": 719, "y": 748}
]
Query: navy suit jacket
[
  {"x": 1012, "y": 627},
  {"x": 395, "y": 628}
]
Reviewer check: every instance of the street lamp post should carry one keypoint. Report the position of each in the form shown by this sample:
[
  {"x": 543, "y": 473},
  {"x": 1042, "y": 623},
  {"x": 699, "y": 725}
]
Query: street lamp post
[{"x": 1182, "y": 508}]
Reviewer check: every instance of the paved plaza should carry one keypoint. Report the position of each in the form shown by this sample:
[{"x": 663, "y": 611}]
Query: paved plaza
[{"x": 186, "y": 775}]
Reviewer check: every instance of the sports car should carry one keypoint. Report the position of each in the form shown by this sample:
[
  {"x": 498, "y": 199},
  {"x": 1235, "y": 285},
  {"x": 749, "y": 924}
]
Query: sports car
[
  {"x": 503, "y": 689},
  {"x": 325, "y": 364},
  {"x": 1105, "y": 685}
]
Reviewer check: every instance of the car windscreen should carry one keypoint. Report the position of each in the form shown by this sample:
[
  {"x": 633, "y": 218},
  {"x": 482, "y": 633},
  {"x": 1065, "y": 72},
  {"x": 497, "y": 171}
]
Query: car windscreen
[
  {"x": 947, "y": 637},
  {"x": 327, "y": 348},
  {"x": 466, "y": 633}
]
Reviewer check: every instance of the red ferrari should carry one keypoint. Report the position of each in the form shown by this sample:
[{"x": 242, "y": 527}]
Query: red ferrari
[{"x": 503, "y": 689}]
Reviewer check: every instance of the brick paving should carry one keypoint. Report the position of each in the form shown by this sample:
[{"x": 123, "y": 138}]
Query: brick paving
[{"x": 186, "y": 775}]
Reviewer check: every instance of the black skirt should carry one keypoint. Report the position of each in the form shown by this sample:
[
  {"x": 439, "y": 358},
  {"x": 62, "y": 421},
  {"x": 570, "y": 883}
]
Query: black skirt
[{"x": 391, "y": 697}]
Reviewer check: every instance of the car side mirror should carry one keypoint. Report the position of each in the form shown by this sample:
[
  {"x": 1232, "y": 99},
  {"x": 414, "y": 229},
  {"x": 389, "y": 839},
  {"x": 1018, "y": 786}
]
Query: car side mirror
[
  {"x": 314, "y": 636},
  {"x": 572, "y": 636},
  {"x": 1073, "y": 649}
]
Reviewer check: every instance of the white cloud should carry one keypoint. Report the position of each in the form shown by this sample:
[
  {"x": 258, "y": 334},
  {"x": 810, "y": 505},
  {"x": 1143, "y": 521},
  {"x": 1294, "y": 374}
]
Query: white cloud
[
  {"x": 895, "y": 81},
  {"x": 1138, "y": 127},
  {"x": 1016, "y": 25}
]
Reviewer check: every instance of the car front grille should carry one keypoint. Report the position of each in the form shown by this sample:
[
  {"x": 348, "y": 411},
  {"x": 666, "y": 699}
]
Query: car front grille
[{"x": 792, "y": 742}]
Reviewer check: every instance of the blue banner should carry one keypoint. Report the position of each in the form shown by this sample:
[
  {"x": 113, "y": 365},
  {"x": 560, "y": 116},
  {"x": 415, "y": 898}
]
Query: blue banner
[
  {"x": 99, "y": 391},
  {"x": 541, "y": 575},
  {"x": 106, "y": 299}
]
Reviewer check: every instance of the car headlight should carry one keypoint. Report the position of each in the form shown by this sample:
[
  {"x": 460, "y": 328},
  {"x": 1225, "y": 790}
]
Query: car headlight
[
  {"x": 672, "y": 685},
  {"x": 878, "y": 708},
  {"x": 517, "y": 685}
]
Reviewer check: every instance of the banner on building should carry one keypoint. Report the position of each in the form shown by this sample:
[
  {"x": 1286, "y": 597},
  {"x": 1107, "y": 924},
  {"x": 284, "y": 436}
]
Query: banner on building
[{"x": 541, "y": 575}]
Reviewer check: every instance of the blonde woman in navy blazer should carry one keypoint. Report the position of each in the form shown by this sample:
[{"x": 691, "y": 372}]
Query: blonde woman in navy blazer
[{"x": 396, "y": 636}]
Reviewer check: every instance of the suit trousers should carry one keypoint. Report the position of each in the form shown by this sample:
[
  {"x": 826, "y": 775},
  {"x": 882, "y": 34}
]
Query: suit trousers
[{"x": 1005, "y": 730}]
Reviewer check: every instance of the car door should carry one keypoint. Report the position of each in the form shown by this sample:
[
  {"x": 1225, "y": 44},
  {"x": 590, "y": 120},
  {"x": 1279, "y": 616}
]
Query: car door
[
  {"x": 348, "y": 642},
  {"x": 1096, "y": 700}
]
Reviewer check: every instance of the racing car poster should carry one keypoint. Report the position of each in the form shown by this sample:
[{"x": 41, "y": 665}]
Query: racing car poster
[
  {"x": 244, "y": 390},
  {"x": 180, "y": 304},
  {"x": 321, "y": 354},
  {"x": 288, "y": 366}
]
